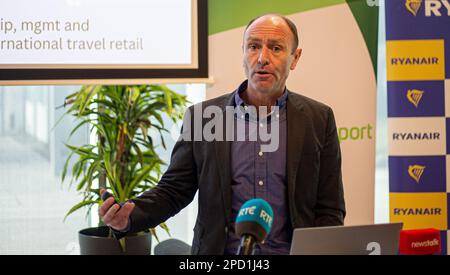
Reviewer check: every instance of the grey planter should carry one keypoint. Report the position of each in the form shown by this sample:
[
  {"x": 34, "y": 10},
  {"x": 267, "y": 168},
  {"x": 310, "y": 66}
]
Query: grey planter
[{"x": 95, "y": 241}]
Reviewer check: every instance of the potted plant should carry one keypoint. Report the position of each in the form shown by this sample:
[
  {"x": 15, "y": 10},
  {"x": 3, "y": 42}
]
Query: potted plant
[{"x": 123, "y": 160}]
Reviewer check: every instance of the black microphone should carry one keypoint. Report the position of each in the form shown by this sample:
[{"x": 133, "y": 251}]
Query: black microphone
[{"x": 253, "y": 224}]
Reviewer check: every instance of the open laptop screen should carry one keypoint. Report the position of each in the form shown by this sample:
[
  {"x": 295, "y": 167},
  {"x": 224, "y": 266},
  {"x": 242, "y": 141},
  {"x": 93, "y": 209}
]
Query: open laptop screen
[{"x": 373, "y": 239}]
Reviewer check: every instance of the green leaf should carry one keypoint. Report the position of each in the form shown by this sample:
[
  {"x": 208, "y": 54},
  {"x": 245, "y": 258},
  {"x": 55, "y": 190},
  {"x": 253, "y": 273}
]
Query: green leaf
[
  {"x": 80, "y": 205},
  {"x": 134, "y": 93},
  {"x": 168, "y": 98},
  {"x": 164, "y": 226},
  {"x": 83, "y": 151},
  {"x": 141, "y": 176},
  {"x": 88, "y": 178},
  {"x": 107, "y": 163},
  {"x": 81, "y": 183},
  {"x": 64, "y": 172},
  {"x": 153, "y": 232},
  {"x": 139, "y": 154},
  {"x": 90, "y": 91},
  {"x": 77, "y": 127}
]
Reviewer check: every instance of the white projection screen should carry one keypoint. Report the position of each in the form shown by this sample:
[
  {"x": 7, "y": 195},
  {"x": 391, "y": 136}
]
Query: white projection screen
[{"x": 79, "y": 41}]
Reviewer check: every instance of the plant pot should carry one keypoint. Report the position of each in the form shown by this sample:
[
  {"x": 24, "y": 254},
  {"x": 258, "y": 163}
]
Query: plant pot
[{"x": 96, "y": 241}]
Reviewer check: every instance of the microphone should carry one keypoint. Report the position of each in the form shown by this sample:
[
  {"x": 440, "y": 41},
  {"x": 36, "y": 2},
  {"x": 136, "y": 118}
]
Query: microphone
[
  {"x": 253, "y": 224},
  {"x": 420, "y": 242}
]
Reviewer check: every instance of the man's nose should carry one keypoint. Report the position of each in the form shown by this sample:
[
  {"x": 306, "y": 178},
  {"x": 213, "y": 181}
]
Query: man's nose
[{"x": 263, "y": 57}]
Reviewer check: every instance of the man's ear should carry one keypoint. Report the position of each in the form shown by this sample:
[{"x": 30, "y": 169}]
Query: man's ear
[{"x": 297, "y": 54}]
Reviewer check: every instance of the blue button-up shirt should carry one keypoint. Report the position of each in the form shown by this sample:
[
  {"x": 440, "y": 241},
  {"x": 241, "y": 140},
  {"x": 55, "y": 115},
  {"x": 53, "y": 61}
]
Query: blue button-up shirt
[{"x": 257, "y": 174}]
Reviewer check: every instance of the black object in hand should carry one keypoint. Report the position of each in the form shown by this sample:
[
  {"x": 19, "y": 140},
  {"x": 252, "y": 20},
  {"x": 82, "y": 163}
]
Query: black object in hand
[{"x": 106, "y": 195}]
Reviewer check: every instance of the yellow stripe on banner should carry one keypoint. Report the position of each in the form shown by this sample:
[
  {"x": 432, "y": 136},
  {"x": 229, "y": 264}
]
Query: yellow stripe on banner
[
  {"x": 415, "y": 60},
  {"x": 419, "y": 210}
]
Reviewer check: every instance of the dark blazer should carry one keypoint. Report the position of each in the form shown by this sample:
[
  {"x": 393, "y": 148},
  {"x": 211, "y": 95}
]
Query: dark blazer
[{"x": 314, "y": 179}]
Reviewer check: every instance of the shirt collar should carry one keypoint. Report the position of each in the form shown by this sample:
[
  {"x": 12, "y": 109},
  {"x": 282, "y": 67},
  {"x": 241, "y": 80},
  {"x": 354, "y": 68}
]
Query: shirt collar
[{"x": 238, "y": 101}]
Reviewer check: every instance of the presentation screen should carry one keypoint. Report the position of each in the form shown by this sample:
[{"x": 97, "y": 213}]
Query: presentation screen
[{"x": 102, "y": 39}]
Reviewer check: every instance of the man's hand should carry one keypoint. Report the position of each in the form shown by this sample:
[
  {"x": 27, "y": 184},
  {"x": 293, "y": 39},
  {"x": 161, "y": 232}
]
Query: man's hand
[{"x": 113, "y": 215}]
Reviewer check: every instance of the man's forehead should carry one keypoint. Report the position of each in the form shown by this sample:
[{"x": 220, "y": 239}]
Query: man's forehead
[
  {"x": 272, "y": 40},
  {"x": 273, "y": 19},
  {"x": 268, "y": 24}
]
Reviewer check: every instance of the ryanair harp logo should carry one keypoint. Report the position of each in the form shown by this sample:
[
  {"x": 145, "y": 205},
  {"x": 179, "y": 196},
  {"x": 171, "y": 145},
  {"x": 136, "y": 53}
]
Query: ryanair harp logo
[
  {"x": 416, "y": 172},
  {"x": 413, "y": 6},
  {"x": 415, "y": 96}
]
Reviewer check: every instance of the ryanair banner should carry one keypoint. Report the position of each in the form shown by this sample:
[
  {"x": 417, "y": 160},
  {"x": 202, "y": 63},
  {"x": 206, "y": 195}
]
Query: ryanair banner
[
  {"x": 337, "y": 67},
  {"x": 418, "y": 74}
]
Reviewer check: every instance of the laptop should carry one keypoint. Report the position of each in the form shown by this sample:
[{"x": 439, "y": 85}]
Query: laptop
[{"x": 373, "y": 239}]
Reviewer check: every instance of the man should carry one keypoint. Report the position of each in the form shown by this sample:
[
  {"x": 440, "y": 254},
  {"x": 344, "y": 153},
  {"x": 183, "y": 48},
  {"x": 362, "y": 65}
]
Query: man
[{"x": 301, "y": 179}]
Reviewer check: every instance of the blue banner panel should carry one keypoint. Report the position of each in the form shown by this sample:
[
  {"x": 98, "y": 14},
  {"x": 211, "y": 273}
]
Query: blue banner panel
[
  {"x": 444, "y": 248},
  {"x": 416, "y": 98},
  {"x": 417, "y": 174}
]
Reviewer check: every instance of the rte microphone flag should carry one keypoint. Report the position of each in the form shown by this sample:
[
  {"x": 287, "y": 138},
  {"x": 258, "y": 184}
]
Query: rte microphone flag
[
  {"x": 420, "y": 242},
  {"x": 253, "y": 224}
]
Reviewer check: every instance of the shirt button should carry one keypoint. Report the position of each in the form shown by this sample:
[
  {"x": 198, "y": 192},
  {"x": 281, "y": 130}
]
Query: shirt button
[
  {"x": 242, "y": 116},
  {"x": 261, "y": 125},
  {"x": 277, "y": 115},
  {"x": 260, "y": 154},
  {"x": 261, "y": 183}
]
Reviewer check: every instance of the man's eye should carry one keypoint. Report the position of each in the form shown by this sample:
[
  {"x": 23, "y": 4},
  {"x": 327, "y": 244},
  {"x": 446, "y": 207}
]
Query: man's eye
[
  {"x": 276, "y": 49},
  {"x": 254, "y": 46}
]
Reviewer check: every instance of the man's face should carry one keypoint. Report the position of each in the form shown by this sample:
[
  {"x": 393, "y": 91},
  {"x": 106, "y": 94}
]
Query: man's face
[{"x": 268, "y": 54}]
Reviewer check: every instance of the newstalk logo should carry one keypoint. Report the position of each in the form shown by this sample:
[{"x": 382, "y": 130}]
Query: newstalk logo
[
  {"x": 431, "y": 7},
  {"x": 427, "y": 243}
]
